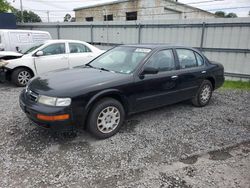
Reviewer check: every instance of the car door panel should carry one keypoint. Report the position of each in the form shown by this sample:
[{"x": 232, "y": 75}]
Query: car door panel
[
  {"x": 50, "y": 61},
  {"x": 155, "y": 91}
]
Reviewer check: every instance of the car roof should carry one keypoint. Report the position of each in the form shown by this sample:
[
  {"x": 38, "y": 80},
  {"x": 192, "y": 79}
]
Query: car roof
[
  {"x": 63, "y": 40},
  {"x": 156, "y": 46}
]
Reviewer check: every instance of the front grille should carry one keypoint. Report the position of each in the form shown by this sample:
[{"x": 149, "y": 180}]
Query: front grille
[{"x": 33, "y": 96}]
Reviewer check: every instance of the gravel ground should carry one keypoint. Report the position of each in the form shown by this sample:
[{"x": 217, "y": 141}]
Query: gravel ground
[{"x": 174, "y": 146}]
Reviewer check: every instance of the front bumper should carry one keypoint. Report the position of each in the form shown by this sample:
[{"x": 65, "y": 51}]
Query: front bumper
[{"x": 31, "y": 109}]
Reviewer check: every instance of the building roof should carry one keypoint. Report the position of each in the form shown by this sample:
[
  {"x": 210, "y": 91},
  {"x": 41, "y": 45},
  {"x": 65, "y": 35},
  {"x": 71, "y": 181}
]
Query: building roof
[{"x": 101, "y": 4}]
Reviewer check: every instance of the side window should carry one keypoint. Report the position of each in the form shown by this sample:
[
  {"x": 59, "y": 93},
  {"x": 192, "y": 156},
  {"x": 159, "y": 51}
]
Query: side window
[
  {"x": 163, "y": 61},
  {"x": 200, "y": 60},
  {"x": 54, "y": 49},
  {"x": 78, "y": 48},
  {"x": 186, "y": 58}
]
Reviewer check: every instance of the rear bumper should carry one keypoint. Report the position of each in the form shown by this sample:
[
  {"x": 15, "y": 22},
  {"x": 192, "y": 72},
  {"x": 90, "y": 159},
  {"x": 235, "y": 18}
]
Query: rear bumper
[{"x": 32, "y": 109}]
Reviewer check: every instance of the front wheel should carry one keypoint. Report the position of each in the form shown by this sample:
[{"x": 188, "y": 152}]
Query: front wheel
[
  {"x": 203, "y": 94},
  {"x": 21, "y": 76},
  {"x": 105, "y": 118}
]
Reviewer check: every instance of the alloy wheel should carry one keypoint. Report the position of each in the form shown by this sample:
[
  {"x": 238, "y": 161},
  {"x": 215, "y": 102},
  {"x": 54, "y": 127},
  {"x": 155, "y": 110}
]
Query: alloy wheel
[{"x": 108, "y": 119}]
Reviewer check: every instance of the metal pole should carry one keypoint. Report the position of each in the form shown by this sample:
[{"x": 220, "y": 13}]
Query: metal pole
[
  {"x": 58, "y": 31},
  {"x": 91, "y": 34},
  {"x": 139, "y": 33},
  {"x": 202, "y": 34},
  {"x": 48, "y": 15},
  {"x": 21, "y": 7}
]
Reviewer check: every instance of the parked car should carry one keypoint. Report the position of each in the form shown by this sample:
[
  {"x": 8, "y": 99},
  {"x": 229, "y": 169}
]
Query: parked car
[
  {"x": 21, "y": 40},
  {"x": 48, "y": 56},
  {"x": 125, "y": 80}
]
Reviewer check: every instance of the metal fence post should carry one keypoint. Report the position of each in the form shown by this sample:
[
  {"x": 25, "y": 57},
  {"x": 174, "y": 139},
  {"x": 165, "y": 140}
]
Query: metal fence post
[
  {"x": 139, "y": 33},
  {"x": 91, "y": 34},
  {"x": 202, "y": 35},
  {"x": 58, "y": 31}
]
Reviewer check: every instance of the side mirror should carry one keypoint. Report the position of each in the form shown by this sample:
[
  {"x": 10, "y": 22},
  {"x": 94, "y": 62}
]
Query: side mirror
[
  {"x": 39, "y": 53},
  {"x": 149, "y": 70}
]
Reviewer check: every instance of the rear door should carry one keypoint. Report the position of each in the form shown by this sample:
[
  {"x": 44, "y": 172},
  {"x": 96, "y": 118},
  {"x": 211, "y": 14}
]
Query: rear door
[
  {"x": 192, "y": 71},
  {"x": 54, "y": 58},
  {"x": 79, "y": 54}
]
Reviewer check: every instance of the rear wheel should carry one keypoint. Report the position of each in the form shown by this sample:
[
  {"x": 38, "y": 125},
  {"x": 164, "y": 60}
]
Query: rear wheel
[
  {"x": 203, "y": 94},
  {"x": 21, "y": 76},
  {"x": 105, "y": 118}
]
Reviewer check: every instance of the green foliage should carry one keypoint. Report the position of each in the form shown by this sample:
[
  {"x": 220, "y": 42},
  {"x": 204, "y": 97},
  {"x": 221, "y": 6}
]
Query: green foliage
[
  {"x": 224, "y": 15},
  {"x": 236, "y": 85},
  {"x": 4, "y": 6},
  {"x": 67, "y": 18},
  {"x": 220, "y": 14},
  {"x": 231, "y": 15},
  {"x": 28, "y": 16}
]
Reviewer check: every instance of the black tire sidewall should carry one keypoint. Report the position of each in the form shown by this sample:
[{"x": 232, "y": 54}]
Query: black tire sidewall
[{"x": 93, "y": 115}]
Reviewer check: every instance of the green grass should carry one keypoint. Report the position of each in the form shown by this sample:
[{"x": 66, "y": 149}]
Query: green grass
[{"x": 236, "y": 85}]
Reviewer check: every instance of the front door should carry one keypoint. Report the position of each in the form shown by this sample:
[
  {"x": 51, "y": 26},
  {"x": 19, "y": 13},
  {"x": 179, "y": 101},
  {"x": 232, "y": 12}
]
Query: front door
[
  {"x": 154, "y": 90},
  {"x": 53, "y": 58}
]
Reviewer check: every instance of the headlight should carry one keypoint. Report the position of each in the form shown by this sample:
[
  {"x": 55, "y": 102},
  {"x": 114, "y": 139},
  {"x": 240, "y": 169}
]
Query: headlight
[
  {"x": 54, "y": 101},
  {"x": 3, "y": 63}
]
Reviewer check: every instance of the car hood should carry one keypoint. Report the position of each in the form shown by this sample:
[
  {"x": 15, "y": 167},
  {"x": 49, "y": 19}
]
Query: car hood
[
  {"x": 72, "y": 82},
  {"x": 6, "y": 55}
]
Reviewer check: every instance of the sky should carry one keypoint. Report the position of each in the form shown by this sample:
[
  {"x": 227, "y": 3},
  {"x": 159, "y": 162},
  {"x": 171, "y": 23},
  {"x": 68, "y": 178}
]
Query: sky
[{"x": 56, "y": 9}]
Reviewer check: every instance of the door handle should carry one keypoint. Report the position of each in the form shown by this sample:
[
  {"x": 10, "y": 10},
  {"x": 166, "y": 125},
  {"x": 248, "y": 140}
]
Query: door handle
[
  {"x": 203, "y": 72},
  {"x": 174, "y": 77},
  {"x": 64, "y": 57}
]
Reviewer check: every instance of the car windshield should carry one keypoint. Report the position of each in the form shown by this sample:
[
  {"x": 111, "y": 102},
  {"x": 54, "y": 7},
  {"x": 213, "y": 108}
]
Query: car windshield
[
  {"x": 32, "y": 48},
  {"x": 120, "y": 59}
]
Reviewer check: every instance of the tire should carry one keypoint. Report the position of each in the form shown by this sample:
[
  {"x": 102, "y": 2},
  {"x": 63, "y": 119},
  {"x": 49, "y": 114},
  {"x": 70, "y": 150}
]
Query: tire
[
  {"x": 203, "y": 94},
  {"x": 21, "y": 76},
  {"x": 105, "y": 118}
]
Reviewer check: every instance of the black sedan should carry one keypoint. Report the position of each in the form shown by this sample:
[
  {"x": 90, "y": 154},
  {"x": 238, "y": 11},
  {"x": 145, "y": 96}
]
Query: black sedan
[{"x": 125, "y": 80}]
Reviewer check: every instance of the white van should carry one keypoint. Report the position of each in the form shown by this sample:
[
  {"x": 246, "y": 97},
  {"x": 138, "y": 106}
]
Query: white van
[{"x": 21, "y": 40}]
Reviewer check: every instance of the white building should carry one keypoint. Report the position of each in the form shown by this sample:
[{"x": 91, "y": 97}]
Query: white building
[{"x": 127, "y": 10}]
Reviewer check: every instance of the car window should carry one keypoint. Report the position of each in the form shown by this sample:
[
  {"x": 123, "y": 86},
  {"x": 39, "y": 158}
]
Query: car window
[
  {"x": 186, "y": 58},
  {"x": 200, "y": 60},
  {"x": 121, "y": 59},
  {"x": 54, "y": 49},
  {"x": 78, "y": 48},
  {"x": 163, "y": 61}
]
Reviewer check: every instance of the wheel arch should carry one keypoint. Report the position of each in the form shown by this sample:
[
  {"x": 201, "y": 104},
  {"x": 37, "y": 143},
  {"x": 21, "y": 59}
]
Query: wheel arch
[
  {"x": 25, "y": 67},
  {"x": 212, "y": 80},
  {"x": 111, "y": 93}
]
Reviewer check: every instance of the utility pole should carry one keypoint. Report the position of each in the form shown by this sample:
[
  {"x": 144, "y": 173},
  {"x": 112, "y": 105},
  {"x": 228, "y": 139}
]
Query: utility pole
[
  {"x": 21, "y": 6},
  {"x": 48, "y": 15}
]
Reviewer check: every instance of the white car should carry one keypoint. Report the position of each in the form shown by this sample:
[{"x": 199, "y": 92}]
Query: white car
[{"x": 48, "y": 56}]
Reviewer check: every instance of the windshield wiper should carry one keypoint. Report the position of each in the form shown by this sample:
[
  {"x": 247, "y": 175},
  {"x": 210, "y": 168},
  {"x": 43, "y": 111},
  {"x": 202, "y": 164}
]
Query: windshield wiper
[
  {"x": 103, "y": 69},
  {"x": 88, "y": 65}
]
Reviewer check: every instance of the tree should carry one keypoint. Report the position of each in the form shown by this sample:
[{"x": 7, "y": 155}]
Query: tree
[
  {"x": 5, "y": 6},
  {"x": 28, "y": 16},
  {"x": 67, "y": 18},
  {"x": 220, "y": 14},
  {"x": 224, "y": 15},
  {"x": 231, "y": 15}
]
